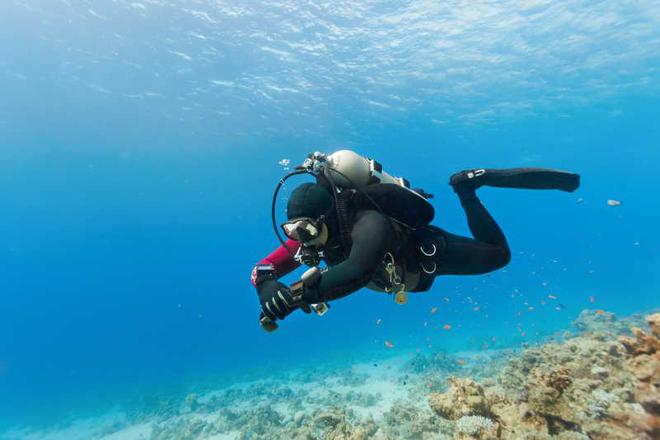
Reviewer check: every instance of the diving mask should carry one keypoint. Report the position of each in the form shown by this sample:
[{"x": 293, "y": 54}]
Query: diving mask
[{"x": 303, "y": 229}]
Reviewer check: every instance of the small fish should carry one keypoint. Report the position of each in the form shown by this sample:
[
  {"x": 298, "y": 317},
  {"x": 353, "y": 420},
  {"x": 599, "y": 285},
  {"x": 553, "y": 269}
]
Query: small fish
[
  {"x": 559, "y": 307},
  {"x": 523, "y": 334},
  {"x": 552, "y": 297},
  {"x": 426, "y": 324},
  {"x": 476, "y": 309},
  {"x": 447, "y": 326},
  {"x": 388, "y": 344},
  {"x": 494, "y": 339},
  {"x": 460, "y": 361},
  {"x": 612, "y": 202},
  {"x": 600, "y": 312},
  {"x": 579, "y": 200},
  {"x": 434, "y": 310},
  {"x": 445, "y": 299},
  {"x": 592, "y": 299},
  {"x": 530, "y": 308},
  {"x": 378, "y": 321},
  {"x": 284, "y": 162}
]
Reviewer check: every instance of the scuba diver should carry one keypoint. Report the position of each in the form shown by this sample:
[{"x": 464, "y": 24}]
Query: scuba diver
[{"x": 372, "y": 230}]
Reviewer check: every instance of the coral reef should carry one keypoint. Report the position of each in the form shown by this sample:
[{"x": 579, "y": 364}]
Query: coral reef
[
  {"x": 606, "y": 323},
  {"x": 601, "y": 384},
  {"x": 587, "y": 387},
  {"x": 464, "y": 398},
  {"x": 407, "y": 421},
  {"x": 469, "y": 427}
]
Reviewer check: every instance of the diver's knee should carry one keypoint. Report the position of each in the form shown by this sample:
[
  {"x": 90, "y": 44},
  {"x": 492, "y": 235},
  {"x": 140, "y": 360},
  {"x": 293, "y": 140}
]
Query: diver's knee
[{"x": 504, "y": 257}]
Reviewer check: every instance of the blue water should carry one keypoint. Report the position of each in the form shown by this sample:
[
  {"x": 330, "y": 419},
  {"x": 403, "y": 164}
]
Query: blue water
[{"x": 139, "y": 149}]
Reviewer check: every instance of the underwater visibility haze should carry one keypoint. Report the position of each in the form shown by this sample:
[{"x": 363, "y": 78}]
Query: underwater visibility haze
[{"x": 140, "y": 145}]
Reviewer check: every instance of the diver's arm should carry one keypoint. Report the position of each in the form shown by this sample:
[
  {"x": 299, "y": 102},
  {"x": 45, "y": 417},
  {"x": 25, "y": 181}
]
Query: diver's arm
[
  {"x": 279, "y": 263},
  {"x": 371, "y": 236}
]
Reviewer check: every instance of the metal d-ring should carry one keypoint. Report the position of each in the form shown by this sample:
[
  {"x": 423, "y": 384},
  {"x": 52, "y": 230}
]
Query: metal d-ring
[
  {"x": 428, "y": 254},
  {"x": 429, "y": 272}
]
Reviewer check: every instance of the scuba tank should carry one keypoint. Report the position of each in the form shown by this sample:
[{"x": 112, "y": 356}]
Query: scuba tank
[
  {"x": 350, "y": 170},
  {"x": 388, "y": 194}
]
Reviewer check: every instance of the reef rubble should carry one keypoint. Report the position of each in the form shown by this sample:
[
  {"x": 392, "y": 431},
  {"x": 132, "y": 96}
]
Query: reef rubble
[{"x": 588, "y": 387}]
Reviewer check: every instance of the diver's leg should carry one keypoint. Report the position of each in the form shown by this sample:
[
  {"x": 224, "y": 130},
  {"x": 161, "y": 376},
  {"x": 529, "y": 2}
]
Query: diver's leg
[
  {"x": 481, "y": 223},
  {"x": 488, "y": 250},
  {"x": 466, "y": 256}
]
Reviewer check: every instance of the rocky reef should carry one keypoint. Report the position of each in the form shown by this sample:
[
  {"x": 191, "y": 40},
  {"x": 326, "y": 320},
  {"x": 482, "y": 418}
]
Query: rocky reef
[
  {"x": 592, "y": 386},
  {"x": 601, "y": 382}
]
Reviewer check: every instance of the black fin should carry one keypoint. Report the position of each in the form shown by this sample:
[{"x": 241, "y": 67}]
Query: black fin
[{"x": 524, "y": 178}]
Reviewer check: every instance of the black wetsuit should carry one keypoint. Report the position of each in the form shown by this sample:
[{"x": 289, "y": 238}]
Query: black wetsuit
[{"x": 373, "y": 236}]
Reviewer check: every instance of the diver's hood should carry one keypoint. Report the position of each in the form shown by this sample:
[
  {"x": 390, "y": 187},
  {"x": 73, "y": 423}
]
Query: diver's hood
[{"x": 309, "y": 200}]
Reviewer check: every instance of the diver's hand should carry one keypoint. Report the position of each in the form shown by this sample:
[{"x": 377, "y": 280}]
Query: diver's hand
[{"x": 276, "y": 300}]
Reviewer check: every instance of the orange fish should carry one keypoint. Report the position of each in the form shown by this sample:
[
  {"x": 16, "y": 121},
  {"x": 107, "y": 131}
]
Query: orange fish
[
  {"x": 447, "y": 326},
  {"x": 600, "y": 312},
  {"x": 388, "y": 344},
  {"x": 434, "y": 309}
]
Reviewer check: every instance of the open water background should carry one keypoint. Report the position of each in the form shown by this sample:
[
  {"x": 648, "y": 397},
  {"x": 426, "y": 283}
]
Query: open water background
[{"x": 139, "y": 148}]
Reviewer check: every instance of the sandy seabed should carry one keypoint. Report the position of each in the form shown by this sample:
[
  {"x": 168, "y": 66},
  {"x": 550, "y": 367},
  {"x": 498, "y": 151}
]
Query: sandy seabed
[{"x": 601, "y": 382}]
